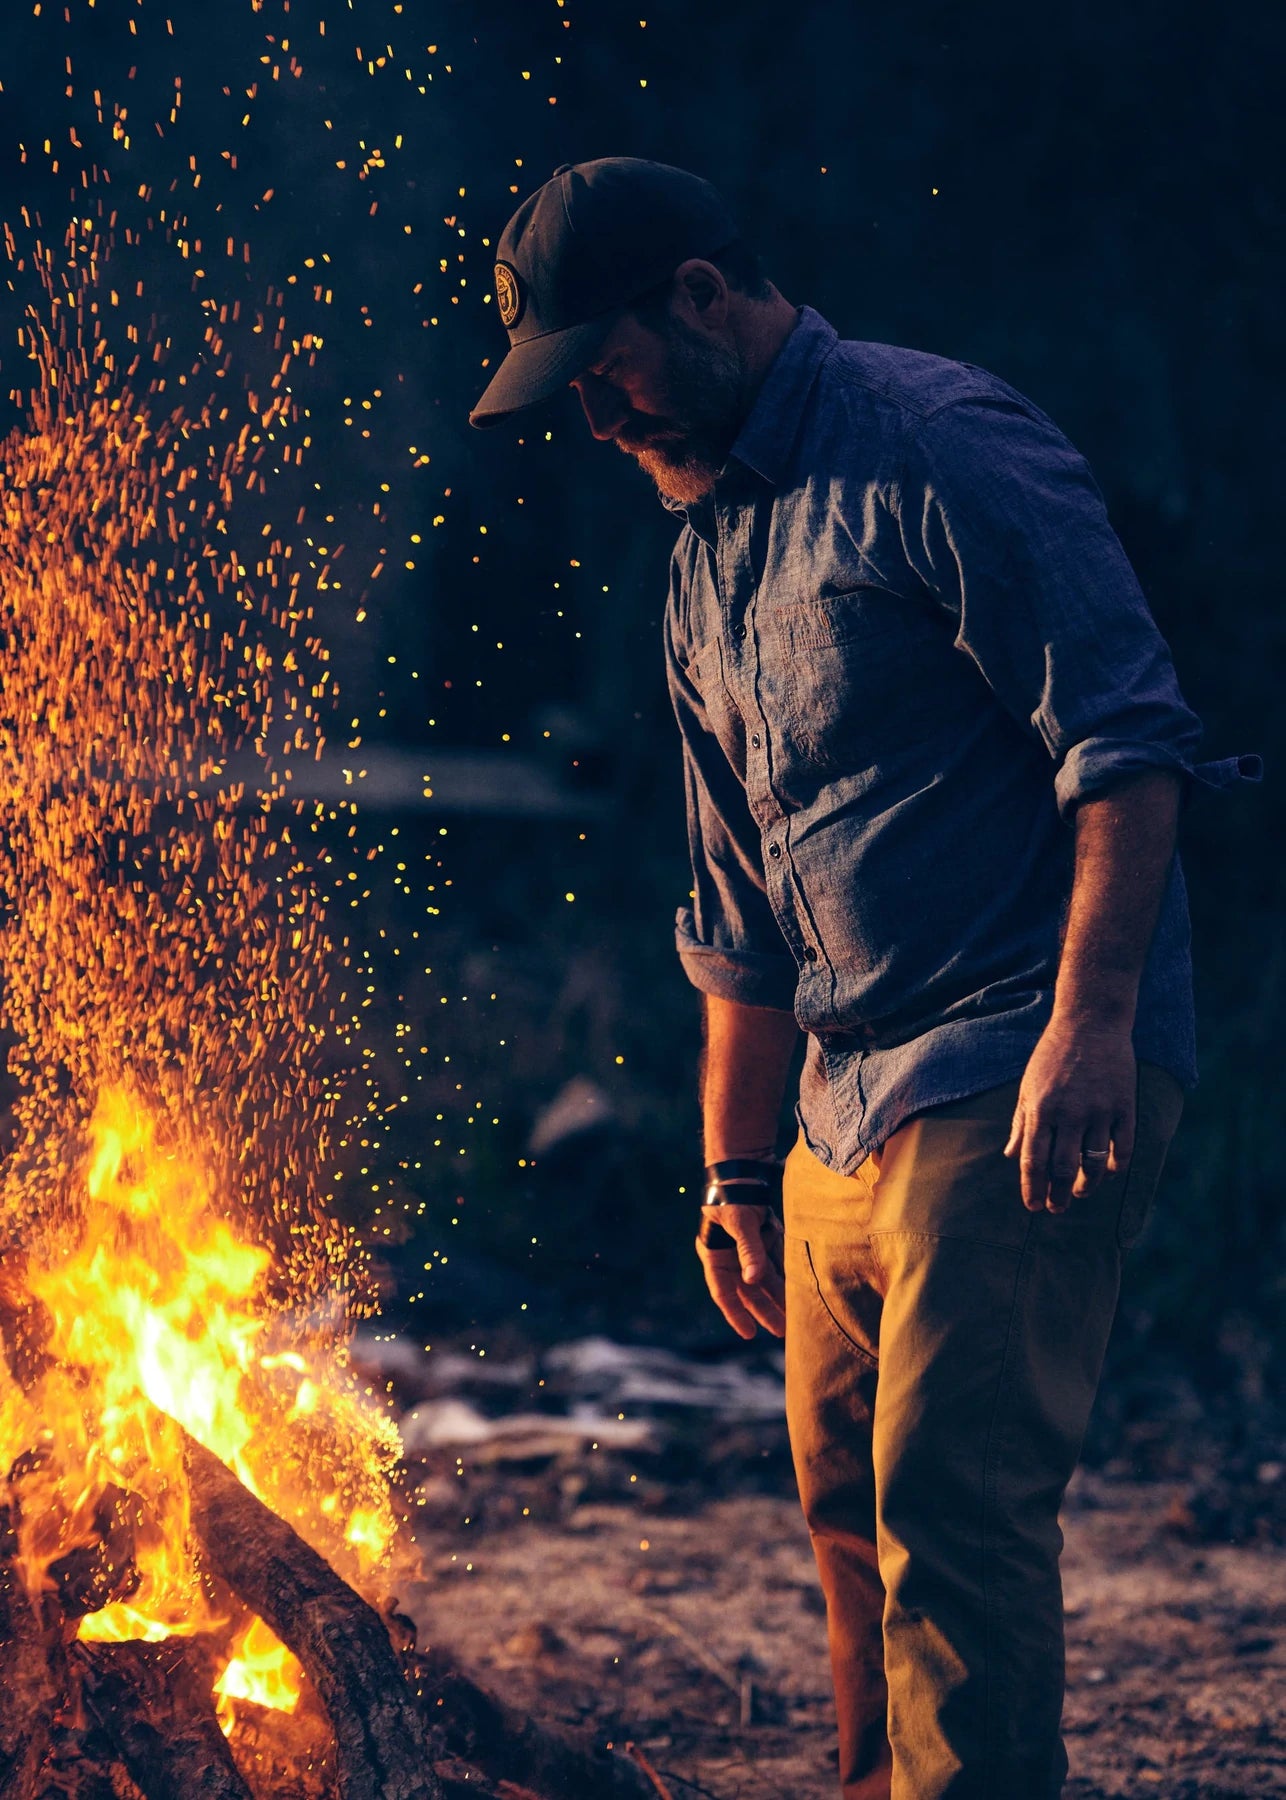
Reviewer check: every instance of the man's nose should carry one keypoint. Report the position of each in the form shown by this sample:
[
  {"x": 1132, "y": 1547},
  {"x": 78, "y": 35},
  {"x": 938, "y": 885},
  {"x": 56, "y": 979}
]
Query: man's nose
[{"x": 605, "y": 407}]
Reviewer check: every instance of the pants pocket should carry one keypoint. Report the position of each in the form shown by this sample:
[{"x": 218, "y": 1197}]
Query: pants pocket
[{"x": 839, "y": 1282}]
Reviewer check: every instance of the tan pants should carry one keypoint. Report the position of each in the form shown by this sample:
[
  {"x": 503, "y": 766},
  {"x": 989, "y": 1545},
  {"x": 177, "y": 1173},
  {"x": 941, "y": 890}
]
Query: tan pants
[{"x": 943, "y": 1346}]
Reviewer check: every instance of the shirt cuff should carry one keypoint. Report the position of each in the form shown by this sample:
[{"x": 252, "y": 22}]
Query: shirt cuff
[
  {"x": 1096, "y": 763},
  {"x": 748, "y": 977}
]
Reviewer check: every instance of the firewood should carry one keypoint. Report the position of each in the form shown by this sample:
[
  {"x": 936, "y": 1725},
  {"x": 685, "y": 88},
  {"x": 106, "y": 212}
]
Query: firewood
[
  {"x": 157, "y": 1710},
  {"x": 386, "y": 1733},
  {"x": 95, "y": 1574},
  {"x": 82, "y": 1765},
  {"x": 460, "y": 1782},
  {"x": 385, "y": 1747},
  {"x": 509, "y": 1747},
  {"x": 30, "y": 1653}
]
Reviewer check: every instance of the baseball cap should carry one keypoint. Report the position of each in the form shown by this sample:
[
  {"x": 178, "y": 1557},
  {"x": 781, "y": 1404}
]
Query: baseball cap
[{"x": 596, "y": 236}]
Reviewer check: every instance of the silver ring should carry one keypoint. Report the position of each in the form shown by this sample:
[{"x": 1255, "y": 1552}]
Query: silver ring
[{"x": 1095, "y": 1155}]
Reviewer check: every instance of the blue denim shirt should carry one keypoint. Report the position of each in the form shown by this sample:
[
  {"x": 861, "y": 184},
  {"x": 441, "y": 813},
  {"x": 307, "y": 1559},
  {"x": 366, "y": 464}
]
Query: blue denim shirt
[{"x": 903, "y": 642}]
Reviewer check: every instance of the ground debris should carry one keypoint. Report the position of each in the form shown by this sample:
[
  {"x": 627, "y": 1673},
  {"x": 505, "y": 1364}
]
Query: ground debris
[{"x": 697, "y": 1632}]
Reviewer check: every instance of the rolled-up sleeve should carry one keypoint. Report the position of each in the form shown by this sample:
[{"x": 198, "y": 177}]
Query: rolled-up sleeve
[
  {"x": 1004, "y": 523},
  {"x": 727, "y": 938}
]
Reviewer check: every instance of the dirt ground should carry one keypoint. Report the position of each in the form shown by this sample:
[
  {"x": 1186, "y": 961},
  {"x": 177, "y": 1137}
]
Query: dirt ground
[{"x": 697, "y": 1632}]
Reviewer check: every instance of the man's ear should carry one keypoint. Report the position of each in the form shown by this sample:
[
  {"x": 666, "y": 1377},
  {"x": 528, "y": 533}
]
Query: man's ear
[{"x": 700, "y": 296}]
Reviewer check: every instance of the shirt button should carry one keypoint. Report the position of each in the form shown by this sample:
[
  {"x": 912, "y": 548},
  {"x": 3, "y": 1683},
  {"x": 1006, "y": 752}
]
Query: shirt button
[
  {"x": 741, "y": 630},
  {"x": 774, "y": 850},
  {"x": 810, "y": 953},
  {"x": 754, "y": 740}
]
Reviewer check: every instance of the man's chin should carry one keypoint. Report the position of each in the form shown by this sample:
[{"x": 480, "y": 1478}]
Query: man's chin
[{"x": 684, "y": 479}]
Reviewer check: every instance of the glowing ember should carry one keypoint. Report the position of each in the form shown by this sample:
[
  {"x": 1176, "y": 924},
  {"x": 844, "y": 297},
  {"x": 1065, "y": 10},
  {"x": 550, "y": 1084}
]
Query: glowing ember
[{"x": 167, "y": 1258}]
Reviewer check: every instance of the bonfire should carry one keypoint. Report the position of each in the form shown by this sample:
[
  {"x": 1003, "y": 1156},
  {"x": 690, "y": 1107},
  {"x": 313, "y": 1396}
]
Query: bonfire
[{"x": 201, "y": 1534}]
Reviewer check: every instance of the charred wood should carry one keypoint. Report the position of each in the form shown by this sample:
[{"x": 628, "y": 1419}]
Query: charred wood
[
  {"x": 460, "y": 1782},
  {"x": 83, "y": 1765},
  {"x": 509, "y": 1747},
  {"x": 385, "y": 1747},
  {"x": 157, "y": 1711},
  {"x": 388, "y": 1731},
  {"x": 98, "y": 1573}
]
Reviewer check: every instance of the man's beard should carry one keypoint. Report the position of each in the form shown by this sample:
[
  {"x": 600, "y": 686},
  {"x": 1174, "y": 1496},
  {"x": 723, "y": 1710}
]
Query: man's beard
[{"x": 684, "y": 452}]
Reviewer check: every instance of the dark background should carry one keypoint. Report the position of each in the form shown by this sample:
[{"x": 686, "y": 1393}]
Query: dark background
[{"x": 1084, "y": 201}]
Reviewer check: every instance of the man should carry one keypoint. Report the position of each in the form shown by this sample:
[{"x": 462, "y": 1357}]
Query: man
[{"x": 935, "y": 754}]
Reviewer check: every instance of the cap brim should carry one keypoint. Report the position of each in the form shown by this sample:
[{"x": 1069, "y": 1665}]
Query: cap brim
[{"x": 535, "y": 370}]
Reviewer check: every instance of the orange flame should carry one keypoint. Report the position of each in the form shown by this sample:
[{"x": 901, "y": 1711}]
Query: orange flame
[
  {"x": 167, "y": 957},
  {"x": 259, "y": 1669},
  {"x": 156, "y": 1315}
]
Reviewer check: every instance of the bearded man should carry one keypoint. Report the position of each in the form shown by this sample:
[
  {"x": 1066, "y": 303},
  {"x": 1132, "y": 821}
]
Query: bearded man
[{"x": 935, "y": 754}]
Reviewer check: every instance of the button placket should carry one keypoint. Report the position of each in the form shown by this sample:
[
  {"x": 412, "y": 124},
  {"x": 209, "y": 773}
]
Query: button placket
[
  {"x": 737, "y": 580},
  {"x": 738, "y": 585}
]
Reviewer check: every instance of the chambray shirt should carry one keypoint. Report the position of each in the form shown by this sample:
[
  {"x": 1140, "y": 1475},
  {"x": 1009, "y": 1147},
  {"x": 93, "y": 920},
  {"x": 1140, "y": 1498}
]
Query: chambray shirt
[{"x": 903, "y": 642}]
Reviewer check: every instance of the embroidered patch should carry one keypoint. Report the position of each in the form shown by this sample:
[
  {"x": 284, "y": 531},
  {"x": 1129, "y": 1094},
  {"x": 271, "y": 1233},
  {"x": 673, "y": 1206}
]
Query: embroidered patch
[{"x": 509, "y": 294}]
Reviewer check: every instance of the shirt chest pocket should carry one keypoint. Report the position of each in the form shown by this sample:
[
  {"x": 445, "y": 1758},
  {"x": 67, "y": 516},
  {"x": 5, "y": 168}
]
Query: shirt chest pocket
[{"x": 849, "y": 672}]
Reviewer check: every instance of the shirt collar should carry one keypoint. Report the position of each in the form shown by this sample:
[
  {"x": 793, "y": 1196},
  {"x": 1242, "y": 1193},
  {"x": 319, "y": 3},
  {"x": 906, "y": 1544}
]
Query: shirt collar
[{"x": 768, "y": 435}]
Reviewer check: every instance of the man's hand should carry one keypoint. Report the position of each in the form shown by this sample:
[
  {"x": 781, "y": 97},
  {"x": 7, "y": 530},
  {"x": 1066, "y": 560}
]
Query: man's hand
[
  {"x": 746, "y": 1283},
  {"x": 1074, "y": 1122}
]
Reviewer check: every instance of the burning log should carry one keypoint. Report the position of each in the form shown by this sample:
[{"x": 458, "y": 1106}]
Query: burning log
[
  {"x": 157, "y": 1714},
  {"x": 82, "y": 1765},
  {"x": 155, "y": 1706},
  {"x": 386, "y": 1745},
  {"x": 385, "y": 1748},
  {"x": 514, "y": 1750},
  {"x": 102, "y": 1571}
]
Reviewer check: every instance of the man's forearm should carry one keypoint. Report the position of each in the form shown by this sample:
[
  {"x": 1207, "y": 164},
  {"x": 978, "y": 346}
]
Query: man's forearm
[
  {"x": 743, "y": 1077},
  {"x": 1074, "y": 1121},
  {"x": 1124, "y": 845}
]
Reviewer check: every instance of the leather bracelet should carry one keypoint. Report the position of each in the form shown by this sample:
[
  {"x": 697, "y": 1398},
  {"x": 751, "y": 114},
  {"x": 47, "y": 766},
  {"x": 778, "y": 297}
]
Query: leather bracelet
[{"x": 742, "y": 1181}]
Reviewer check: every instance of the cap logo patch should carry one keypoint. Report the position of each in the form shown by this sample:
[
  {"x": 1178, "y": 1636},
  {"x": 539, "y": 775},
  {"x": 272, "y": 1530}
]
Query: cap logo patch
[{"x": 509, "y": 294}]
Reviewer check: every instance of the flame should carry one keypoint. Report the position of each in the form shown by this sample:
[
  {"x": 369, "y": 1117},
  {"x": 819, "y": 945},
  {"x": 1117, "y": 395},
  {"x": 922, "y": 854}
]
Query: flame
[
  {"x": 259, "y": 1669},
  {"x": 169, "y": 1257},
  {"x": 157, "y": 1315},
  {"x": 160, "y": 1294},
  {"x": 165, "y": 998}
]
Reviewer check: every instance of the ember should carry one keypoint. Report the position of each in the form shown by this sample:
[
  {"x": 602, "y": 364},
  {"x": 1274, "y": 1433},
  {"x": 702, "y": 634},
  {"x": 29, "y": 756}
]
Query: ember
[
  {"x": 169, "y": 1267},
  {"x": 199, "y": 1529}
]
